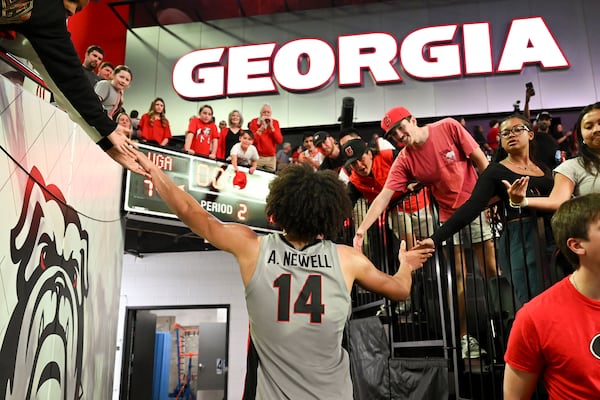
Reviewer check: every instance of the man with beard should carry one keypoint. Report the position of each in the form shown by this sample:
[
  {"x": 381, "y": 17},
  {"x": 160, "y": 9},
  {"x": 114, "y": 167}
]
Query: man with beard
[
  {"x": 93, "y": 57},
  {"x": 545, "y": 144},
  {"x": 330, "y": 149}
]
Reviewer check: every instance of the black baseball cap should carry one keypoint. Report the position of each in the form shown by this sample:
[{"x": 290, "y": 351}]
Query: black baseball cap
[
  {"x": 320, "y": 137},
  {"x": 354, "y": 150},
  {"x": 543, "y": 114}
]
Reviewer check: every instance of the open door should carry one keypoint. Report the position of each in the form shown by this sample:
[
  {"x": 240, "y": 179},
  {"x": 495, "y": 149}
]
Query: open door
[{"x": 138, "y": 357}]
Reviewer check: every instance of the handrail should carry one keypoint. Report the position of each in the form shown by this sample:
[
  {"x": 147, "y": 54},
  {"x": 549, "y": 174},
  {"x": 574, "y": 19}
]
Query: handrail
[{"x": 18, "y": 65}]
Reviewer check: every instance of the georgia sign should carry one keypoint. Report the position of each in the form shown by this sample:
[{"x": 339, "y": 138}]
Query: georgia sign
[{"x": 307, "y": 64}]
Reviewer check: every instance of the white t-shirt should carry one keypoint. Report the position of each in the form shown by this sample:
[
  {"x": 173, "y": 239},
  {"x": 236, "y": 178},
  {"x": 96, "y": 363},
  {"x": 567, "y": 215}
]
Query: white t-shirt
[
  {"x": 585, "y": 183},
  {"x": 244, "y": 158}
]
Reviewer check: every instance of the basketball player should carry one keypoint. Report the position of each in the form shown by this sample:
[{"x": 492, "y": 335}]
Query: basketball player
[{"x": 297, "y": 283}]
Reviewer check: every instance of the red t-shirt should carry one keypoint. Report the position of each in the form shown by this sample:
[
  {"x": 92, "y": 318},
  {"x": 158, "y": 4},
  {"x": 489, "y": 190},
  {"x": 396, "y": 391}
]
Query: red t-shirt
[
  {"x": 442, "y": 163},
  {"x": 492, "y": 138},
  {"x": 557, "y": 335},
  {"x": 266, "y": 142},
  {"x": 155, "y": 132},
  {"x": 203, "y": 135},
  {"x": 370, "y": 186}
]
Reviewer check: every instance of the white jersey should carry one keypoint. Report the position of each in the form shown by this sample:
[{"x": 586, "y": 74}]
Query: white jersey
[{"x": 298, "y": 305}]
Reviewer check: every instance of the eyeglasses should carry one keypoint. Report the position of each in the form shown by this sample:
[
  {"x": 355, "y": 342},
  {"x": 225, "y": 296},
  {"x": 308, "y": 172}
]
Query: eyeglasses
[{"x": 516, "y": 130}]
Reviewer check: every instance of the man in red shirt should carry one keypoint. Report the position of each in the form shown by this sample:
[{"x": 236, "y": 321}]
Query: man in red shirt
[
  {"x": 556, "y": 335},
  {"x": 439, "y": 155},
  {"x": 267, "y": 135},
  {"x": 370, "y": 169}
]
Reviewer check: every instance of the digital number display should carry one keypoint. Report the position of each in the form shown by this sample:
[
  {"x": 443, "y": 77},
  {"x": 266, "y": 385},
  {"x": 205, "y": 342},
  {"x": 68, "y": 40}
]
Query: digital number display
[{"x": 214, "y": 184}]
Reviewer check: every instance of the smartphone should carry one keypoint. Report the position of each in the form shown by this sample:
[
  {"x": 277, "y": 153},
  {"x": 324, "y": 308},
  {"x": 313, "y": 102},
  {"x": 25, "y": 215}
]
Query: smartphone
[{"x": 529, "y": 86}]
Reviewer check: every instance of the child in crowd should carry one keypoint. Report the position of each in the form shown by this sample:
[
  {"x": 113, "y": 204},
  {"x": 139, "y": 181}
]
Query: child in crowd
[
  {"x": 111, "y": 92},
  {"x": 244, "y": 153},
  {"x": 202, "y": 136}
]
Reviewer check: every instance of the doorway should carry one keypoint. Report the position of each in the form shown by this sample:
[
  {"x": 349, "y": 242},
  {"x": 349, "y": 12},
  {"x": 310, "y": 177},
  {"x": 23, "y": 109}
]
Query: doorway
[{"x": 175, "y": 352}]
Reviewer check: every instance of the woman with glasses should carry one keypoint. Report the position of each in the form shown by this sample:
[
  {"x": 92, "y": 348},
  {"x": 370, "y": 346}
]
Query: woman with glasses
[
  {"x": 574, "y": 177},
  {"x": 517, "y": 251}
]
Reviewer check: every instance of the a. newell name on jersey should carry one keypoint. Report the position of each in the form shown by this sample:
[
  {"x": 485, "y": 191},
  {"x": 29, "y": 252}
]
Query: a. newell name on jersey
[{"x": 291, "y": 259}]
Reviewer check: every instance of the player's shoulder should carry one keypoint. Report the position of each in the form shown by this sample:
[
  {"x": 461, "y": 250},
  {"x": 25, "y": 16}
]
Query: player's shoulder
[{"x": 349, "y": 255}]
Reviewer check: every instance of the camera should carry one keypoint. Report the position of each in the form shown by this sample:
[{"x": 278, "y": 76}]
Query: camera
[
  {"x": 517, "y": 106},
  {"x": 267, "y": 121}
]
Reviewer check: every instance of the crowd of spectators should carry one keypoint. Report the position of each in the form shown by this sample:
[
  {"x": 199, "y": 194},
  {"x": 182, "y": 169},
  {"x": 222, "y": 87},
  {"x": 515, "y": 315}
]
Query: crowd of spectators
[{"x": 525, "y": 163}]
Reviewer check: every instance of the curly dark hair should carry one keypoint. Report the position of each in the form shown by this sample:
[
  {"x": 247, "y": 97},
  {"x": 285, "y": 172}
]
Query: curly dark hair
[
  {"x": 590, "y": 160},
  {"x": 306, "y": 203}
]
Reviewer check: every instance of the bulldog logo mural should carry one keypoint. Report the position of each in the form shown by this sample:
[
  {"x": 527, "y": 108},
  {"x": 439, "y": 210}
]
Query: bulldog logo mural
[{"x": 42, "y": 349}]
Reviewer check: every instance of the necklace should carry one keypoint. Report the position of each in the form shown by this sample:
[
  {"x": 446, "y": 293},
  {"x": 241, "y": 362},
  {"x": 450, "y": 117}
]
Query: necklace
[
  {"x": 526, "y": 168},
  {"x": 574, "y": 283}
]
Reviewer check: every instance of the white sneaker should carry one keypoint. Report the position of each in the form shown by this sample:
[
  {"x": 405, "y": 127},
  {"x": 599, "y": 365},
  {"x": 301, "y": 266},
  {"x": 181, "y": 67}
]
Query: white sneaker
[{"x": 470, "y": 347}]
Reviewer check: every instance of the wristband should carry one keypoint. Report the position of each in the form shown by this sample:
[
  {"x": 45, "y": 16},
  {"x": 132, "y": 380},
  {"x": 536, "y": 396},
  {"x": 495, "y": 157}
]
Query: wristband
[
  {"x": 105, "y": 143},
  {"x": 523, "y": 203}
]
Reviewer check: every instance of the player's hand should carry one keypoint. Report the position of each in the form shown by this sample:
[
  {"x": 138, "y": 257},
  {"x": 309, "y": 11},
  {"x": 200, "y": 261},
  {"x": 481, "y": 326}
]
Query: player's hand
[
  {"x": 145, "y": 163},
  {"x": 357, "y": 242},
  {"x": 517, "y": 190},
  {"x": 414, "y": 258},
  {"x": 121, "y": 142},
  {"x": 127, "y": 162}
]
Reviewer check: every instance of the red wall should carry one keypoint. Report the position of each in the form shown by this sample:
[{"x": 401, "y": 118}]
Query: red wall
[{"x": 97, "y": 24}]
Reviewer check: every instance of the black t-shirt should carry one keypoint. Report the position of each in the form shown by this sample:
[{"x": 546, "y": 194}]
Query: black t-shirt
[
  {"x": 335, "y": 164},
  {"x": 47, "y": 32},
  {"x": 230, "y": 140},
  {"x": 545, "y": 149},
  {"x": 487, "y": 187}
]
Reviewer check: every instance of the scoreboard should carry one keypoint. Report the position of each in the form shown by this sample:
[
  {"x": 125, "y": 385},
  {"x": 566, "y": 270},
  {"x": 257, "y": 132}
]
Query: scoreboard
[{"x": 231, "y": 197}]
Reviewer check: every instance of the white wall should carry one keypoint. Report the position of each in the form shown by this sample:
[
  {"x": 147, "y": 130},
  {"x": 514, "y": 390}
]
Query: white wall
[
  {"x": 199, "y": 278},
  {"x": 152, "y": 53}
]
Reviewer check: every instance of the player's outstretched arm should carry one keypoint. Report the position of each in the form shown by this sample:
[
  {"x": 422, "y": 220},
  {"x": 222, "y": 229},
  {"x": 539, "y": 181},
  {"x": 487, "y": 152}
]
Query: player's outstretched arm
[
  {"x": 237, "y": 239},
  {"x": 359, "y": 268}
]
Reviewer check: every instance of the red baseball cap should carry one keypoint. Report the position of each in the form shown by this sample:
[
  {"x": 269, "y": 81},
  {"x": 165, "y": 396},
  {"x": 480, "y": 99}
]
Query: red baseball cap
[
  {"x": 392, "y": 117},
  {"x": 240, "y": 180}
]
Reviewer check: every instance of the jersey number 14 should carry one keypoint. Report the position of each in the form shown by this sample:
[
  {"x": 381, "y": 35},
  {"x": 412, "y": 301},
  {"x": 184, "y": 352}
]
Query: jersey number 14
[{"x": 308, "y": 300}]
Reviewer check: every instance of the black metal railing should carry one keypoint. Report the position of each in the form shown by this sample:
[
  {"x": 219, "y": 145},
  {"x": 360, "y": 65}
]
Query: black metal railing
[{"x": 518, "y": 262}]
